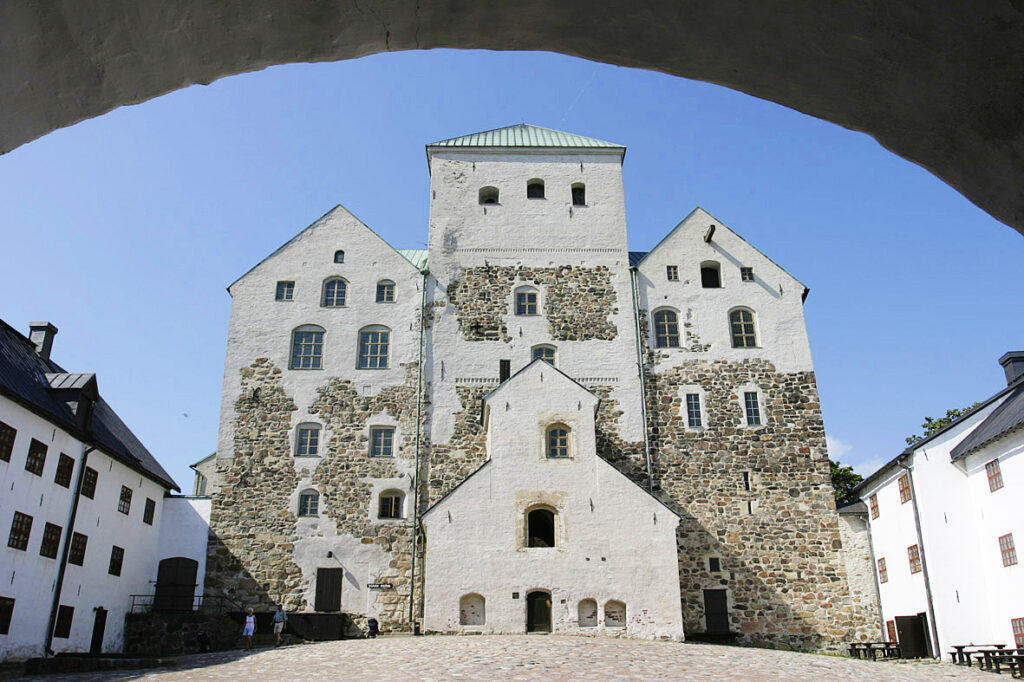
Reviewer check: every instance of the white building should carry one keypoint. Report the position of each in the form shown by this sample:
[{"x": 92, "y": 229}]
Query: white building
[
  {"x": 82, "y": 506},
  {"x": 944, "y": 515}
]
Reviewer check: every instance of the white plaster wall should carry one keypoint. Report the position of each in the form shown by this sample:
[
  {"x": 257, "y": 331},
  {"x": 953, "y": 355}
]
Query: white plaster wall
[
  {"x": 860, "y": 564},
  {"x": 184, "y": 532},
  {"x": 775, "y": 296},
  {"x": 614, "y": 541}
]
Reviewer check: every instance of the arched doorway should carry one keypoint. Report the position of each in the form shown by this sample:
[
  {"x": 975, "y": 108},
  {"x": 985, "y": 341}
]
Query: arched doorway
[
  {"x": 538, "y": 611},
  {"x": 175, "y": 584}
]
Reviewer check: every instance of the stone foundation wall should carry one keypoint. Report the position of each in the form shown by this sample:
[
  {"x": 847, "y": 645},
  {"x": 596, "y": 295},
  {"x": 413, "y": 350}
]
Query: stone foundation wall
[{"x": 172, "y": 634}]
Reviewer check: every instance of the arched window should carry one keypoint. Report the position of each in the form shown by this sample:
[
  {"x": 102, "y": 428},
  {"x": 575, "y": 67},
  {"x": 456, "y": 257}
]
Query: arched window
[
  {"x": 614, "y": 614},
  {"x": 545, "y": 353},
  {"x": 588, "y": 613},
  {"x": 308, "y": 347},
  {"x": 472, "y": 610},
  {"x": 373, "y": 347},
  {"x": 335, "y": 291},
  {"x": 558, "y": 441},
  {"x": 339, "y": 256},
  {"x": 391, "y": 505},
  {"x": 710, "y": 275},
  {"x": 385, "y": 291},
  {"x": 666, "y": 329},
  {"x": 741, "y": 324},
  {"x": 307, "y": 440},
  {"x": 527, "y": 301},
  {"x": 535, "y": 189},
  {"x": 540, "y": 527},
  {"x": 579, "y": 194},
  {"x": 309, "y": 503},
  {"x": 488, "y": 195}
]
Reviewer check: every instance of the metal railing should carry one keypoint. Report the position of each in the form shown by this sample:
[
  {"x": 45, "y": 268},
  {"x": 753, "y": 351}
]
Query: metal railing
[{"x": 144, "y": 603}]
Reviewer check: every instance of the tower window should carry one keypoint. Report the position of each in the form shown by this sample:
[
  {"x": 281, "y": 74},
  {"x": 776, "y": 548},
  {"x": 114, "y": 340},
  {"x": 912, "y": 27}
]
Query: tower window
[
  {"x": 385, "y": 291},
  {"x": 526, "y": 301},
  {"x": 307, "y": 347},
  {"x": 285, "y": 291},
  {"x": 535, "y": 189},
  {"x": 666, "y": 329},
  {"x": 382, "y": 440},
  {"x": 339, "y": 256},
  {"x": 747, "y": 274},
  {"x": 579, "y": 194},
  {"x": 488, "y": 195},
  {"x": 710, "y": 275},
  {"x": 672, "y": 273},
  {"x": 741, "y": 324},
  {"x": 309, "y": 503},
  {"x": 335, "y": 292}
]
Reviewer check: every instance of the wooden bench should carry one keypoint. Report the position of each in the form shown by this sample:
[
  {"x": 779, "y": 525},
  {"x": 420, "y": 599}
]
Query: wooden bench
[
  {"x": 961, "y": 656},
  {"x": 872, "y": 650}
]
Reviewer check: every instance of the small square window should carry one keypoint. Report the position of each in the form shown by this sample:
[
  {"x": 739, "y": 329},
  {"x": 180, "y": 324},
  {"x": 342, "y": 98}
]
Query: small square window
[
  {"x": 385, "y": 292},
  {"x": 7, "y": 434},
  {"x": 905, "y": 494},
  {"x": 89, "y": 479},
  {"x": 77, "y": 554},
  {"x": 65, "y": 466},
  {"x": 914, "y": 556},
  {"x": 747, "y": 274},
  {"x": 285, "y": 291},
  {"x": 6, "y": 613},
  {"x": 873, "y": 504},
  {"x": 381, "y": 441},
  {"x": 36, "y": 460},
  {"x": 309, "y": 503},
  {"x": 149, "y": 511},
  {"x": 1008, "y": 550},
  {"x": 390, "y": 506},
  {"x": 526, "y": 303},
  {"x": 51, "y": 541},
  {"x": 116, "y": 560},
  {"x": 62, "y": 628},
  {"x": 883, "y": 574},
  {"x": 21, "y": 529},
  {"x": 124, "y": 504},
  {"x": 672, "y": 272},
  {"x": 714, "y": 564},
  {"x": 995, "y": 475},
  {"x": 307, "y": 442},
  {"x": 752, "y": 407}
]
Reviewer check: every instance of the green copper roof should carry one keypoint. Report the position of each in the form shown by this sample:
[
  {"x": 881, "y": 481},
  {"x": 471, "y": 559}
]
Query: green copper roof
[
  {"x": 524, "y": 135},
  {"x": 418, "y": 257}
]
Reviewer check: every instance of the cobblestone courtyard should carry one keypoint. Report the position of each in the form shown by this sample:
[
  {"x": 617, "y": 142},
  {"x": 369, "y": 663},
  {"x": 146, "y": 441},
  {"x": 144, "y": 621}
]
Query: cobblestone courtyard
[{"x": 529, "y": 658}]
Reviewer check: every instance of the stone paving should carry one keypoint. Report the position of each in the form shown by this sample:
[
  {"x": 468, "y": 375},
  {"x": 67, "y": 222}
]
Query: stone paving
[{"x": 530, "y": 658}]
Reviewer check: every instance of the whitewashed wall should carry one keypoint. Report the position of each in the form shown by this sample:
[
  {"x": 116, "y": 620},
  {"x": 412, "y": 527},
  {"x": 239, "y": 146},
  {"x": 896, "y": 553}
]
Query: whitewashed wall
[{"x": 184, "y": 532}]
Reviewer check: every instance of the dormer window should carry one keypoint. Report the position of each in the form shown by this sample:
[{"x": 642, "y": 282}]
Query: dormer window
[
  {"x": 535, "y": 189},
  {"x": 339, "y": 256},
  {"x": 579, "y": 194},
  {"x": 488, "y": 195},
  {"x": 710, "y": 275}
]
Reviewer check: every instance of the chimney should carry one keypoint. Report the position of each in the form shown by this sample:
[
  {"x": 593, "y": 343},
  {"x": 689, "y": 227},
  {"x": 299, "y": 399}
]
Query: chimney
[
  {"x": 1013, "y": 365},
  {"x": 42, "y": 336}
]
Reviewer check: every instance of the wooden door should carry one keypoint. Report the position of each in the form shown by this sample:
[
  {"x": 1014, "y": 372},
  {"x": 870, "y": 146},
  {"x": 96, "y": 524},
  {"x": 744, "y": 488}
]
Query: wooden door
[
  {"x": 716, "y": 612},
  {"x": 913, "y": 636},
  {"x": 538, "y": 612},
  {"x": 175, "y": 584},
  {"x": 99, "y": 624},
  {"x": 328, "y": 589}
]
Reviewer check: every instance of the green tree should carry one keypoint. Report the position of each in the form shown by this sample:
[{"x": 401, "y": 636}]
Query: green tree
[
  {"x": 930, "y": 425},
  {"x": 844, "y": 480}
]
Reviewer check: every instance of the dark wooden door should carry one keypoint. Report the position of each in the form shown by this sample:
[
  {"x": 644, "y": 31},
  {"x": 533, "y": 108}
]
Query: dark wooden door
[
  {"x": 328, "y": 589},
  {"x": 99, "y": 624},
  {"x": 175, "y": 584},
  {"x": 538, "y": 612},
  {"x": 716, "y": 612},
  {"x": 913, "y": 636}
]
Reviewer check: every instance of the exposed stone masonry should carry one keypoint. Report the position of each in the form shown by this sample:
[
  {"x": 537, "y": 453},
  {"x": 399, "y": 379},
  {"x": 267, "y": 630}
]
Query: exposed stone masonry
[
  {"x": 577, "y": 302},
  {"x": 467, "y": 449}
]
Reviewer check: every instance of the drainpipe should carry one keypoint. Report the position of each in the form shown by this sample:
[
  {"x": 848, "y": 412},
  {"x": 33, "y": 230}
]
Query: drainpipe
[
  {"x": 62, "y": 566},
  {"x": 416, "y": 476},
  {"x": 874, "y": 574},
  {"x": 643, "y": 379},
  {"x": 924, "y": 563}
]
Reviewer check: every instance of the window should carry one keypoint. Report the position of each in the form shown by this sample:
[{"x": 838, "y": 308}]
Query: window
[
  {"x": 339, "y": 256},
  {"x": 666, "y": 329},
  {"x": 285, "y": 291},
  {"x": 472, "y": 610},
  {"x": 587, "y": 610},
  {"x": 710, "y": 275},
  {"x": 752, "y": 408},
  {"x": 873, "y": 504},
  {"x": 558, "y": 441},
  {"x": 742, "y": 325},
  {"x": 1017, "y": 624},
  {"x": 535, "y": 189},
  {"x": 309, "y": 503},
  {"x": 905, "y": 494},
  {"x": 308, "y": 347},
  {"x": 1007, "y": 549},
  {"x": 693, "y": 410},
  {"x": 77, "y": 554},
  {"x": 747, "y": 274},
  {"x": 149, "y": 511},
  {"x": 89, "y": 482},
  {"x": 526, "y": 302},
  {"x": 391, "y": 505},
  {"x": 488, "y": 195},
  {"x": 614, "y": 614},
  {"x": 714, "y": 564},
  {"x": 62, "y": 628},
  {"x": 672, "y": 273},
  {"x": 373, "y": 348},
  {"x": 21, "y": 528},
  {"x": 995, "y": 476},
  {"x": 385, "y": 291},
  {"x": 579, "y": 194},
  {"x": 914, "y": 555},
  {"x": 334, "y": 294},
  {"x": 51, "y": 541},
  {"x": 116, "y": 560},
  {"x": 307, "y": 440},
  {"x": 6, "y": 613},
  {"x": 890, "y": 629},
  {"x": 36, "y": 458},
  {"x": 540, "y": 527},
  {"x": 746, "y": 481},
  {"x": 124, "y": 503},
  {"x": 65, "y": 465},
  {"x": 382, "y": 440},
  {"x": 7, "y": 434},
  {"x": 883, "y": 574},
  {"x": 545, "y": 353}
]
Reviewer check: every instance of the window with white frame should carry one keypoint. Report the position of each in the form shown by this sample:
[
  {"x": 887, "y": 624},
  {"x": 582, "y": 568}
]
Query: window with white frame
[
  {"x": 693, "y": 418},
  {"x": 382, "y": 441},
  {"x": 752, "y": 408},
  {"x": 373, "y": 347},
  {"x": 666, "y": 329},
  {"x": 307, "y": 440},
  {"x": 741, "y": 327},
  {"x": 335, "y": 293},
  {"x": 385, "y": 291},
  {"x": 527, "y": 301},
  {"x": 308, "y": 347}
]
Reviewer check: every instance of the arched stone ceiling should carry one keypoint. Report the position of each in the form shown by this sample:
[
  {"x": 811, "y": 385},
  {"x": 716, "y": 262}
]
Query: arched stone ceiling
[{"x": 940, "y": 83}]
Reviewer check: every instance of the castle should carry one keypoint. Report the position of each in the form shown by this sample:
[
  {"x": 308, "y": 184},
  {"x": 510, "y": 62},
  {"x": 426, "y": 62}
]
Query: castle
[{"x": 527, "y": 427}]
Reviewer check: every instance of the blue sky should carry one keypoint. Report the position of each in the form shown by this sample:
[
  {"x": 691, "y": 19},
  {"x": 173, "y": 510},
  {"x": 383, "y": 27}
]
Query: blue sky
[{"x": 125, "y": 230}]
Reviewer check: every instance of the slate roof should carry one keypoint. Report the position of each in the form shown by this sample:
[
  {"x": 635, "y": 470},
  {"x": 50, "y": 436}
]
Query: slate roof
[
  {"x": 1009, "y": 416},
  {"x": 38, "y": 385},
  {"x": 525, "y": 135},
  {"x": 854, "y": 508}
]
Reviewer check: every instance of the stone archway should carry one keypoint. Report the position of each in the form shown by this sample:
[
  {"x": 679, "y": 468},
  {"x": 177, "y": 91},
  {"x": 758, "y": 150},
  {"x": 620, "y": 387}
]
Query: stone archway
[{"x": 939, "y": 88}]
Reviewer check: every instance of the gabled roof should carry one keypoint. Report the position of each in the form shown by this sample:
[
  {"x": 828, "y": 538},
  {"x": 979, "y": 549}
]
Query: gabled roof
[
  {"x": 42, "y": 387},
  {"x": 546, "y": 365},
  {"x": 525, "y": 135},
  {"x": 1009, "y": 416}
]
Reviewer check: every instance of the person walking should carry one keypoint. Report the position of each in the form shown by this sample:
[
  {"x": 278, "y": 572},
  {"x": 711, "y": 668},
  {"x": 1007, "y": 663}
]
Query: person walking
[
  {"x": 280, "y": 620},
  {"x": 249, "y": 629}
]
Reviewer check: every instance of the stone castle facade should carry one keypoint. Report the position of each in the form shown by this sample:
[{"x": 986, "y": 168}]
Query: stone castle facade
[{"x": 365, "y": 398}]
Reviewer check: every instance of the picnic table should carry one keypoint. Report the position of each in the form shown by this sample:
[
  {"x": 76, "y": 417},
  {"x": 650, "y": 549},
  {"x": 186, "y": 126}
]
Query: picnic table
[
  {"x": 871, "y": 650},
  {"x": 962, "y": 657},
  {"x": 993, "y": 659}
]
